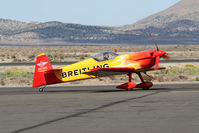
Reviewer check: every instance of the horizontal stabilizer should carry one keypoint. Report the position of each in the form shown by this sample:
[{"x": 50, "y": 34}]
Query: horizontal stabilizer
[{"x": 54, "y": 70}]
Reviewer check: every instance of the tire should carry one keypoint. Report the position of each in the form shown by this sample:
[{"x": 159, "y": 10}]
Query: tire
[{"x": 41, "y": 90}]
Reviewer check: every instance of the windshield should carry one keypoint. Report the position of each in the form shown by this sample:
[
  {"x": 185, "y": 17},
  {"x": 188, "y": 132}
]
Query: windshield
[{"x": 106, "y": 55}]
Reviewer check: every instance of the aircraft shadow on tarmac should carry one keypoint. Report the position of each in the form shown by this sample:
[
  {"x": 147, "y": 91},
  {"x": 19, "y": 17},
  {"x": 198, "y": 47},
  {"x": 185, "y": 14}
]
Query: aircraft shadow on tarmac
[
  {"x": 103, "y": 91},
  {"x": 135, "y": 90},
  {"x": 82, "y": 91}
]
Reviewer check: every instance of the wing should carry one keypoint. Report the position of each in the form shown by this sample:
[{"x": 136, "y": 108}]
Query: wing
[
  {"x": 118, "y": 71},
  {"x": 150, "y": 69},
  {"x": 101, "y": 72},
  {"x": 114, "y": 69},
  {"x": 125, "y": 69}
]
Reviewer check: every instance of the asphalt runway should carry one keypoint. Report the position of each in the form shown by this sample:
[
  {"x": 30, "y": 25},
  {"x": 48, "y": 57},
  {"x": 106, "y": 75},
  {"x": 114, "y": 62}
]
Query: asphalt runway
[{"x": 166, "y": 108}]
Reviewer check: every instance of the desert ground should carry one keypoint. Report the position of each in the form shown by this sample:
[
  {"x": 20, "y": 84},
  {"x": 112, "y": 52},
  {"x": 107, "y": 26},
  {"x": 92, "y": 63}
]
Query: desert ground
[
  {"x": 77, "y": 53},
  {"x": 23, "y": 75}
]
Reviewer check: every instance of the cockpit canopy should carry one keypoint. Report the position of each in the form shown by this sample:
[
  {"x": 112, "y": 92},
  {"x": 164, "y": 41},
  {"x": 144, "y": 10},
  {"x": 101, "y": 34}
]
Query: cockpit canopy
[{"x": 106, "y": 55}]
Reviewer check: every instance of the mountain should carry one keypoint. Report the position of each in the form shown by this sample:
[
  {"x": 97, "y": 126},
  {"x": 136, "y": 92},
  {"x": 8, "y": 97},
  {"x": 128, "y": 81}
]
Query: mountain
[
  {"x": 178, "y": 24},
  {"x": 183, "y": 10},
  {"x": 50, "y": 32}
]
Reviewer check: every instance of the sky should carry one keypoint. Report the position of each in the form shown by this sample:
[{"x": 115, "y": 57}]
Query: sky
[{"x": 87, "y": 12}]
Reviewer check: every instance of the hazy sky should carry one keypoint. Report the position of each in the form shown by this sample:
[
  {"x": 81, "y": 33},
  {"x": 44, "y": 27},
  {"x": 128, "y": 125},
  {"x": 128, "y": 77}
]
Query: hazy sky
[{"x": 89, "y": 12}]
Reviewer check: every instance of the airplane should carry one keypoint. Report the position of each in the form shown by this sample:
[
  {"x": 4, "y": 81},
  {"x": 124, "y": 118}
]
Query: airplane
[{"x": 103, "y": 64}]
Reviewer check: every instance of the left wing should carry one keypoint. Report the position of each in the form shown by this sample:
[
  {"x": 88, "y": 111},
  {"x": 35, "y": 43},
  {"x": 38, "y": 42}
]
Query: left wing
[
  {"x": 125, "y": 69},
  {"x": 150, "y": 69},
  {"x": 101, "y": 72},
  {"x": 118, "y": 70}
]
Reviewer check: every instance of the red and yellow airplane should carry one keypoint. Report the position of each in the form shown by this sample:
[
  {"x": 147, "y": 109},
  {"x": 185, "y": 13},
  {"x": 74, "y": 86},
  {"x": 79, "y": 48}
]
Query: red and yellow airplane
[{"x": 104, "y": 64}]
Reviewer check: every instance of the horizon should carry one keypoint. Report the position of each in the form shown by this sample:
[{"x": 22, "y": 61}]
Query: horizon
[{"x": 114, "y": 13}]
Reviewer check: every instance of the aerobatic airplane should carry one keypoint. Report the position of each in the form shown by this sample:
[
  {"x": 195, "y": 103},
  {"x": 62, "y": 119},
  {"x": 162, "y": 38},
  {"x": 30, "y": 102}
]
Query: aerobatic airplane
[{"x": 103, "y": 64}]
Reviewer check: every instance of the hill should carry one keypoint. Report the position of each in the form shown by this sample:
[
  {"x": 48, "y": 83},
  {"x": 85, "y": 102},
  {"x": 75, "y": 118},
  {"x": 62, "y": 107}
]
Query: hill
[
  {"x": 183, "y": 10},
  {"x": 177, "y": 24},
  {"x": 51, "y": 32}
]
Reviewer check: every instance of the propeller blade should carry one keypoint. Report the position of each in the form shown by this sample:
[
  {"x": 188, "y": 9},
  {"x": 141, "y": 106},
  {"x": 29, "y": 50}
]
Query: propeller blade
[
  {"x": 157, "y": 60},
  {"x": 149, "y": 75},
  {"x": 166, "y": 57},
  {"x": 155, "y": 41}
]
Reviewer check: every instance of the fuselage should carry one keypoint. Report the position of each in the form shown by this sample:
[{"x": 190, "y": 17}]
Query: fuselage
[{"x": 77, "y": 71}]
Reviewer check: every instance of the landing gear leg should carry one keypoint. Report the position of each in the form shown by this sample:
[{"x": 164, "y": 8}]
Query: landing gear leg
[
  {"x": 130, "y": 81},
  {"x": 140, "y": 76},
  {"x": 144, "y": 85},
  {"x": 41, "y": 89},
  {"x": 129, "y": 85}
]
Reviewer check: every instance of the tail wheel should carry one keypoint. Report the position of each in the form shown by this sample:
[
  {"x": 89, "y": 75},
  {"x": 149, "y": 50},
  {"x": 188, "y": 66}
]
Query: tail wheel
[{"x": 41, "y": 89}]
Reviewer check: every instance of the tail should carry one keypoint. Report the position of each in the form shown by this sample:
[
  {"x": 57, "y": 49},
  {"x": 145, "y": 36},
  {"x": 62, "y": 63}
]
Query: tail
[{"x": 44, "y": 72}]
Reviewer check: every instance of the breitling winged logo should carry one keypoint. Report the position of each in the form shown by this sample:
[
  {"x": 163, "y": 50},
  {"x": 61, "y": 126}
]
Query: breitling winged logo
[{"x": 42, "y": 66}]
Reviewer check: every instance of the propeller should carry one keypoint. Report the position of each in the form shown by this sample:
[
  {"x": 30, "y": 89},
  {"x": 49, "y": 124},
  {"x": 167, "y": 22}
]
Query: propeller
[
  {"x": 157, "y": 60},
  {"x": 158, "y": 53},
  {"x": 166, "y": 57},
  {"x": 155, "y": 41},
  {"x": 148, "y": 75}
]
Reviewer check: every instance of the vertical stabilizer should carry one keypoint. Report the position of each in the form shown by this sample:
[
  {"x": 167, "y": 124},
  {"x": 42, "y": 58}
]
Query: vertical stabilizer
[{"x": 42, "y": 65}]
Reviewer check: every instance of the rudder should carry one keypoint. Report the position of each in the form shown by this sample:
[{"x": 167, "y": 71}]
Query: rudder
[{"x": 42, "y": 65}]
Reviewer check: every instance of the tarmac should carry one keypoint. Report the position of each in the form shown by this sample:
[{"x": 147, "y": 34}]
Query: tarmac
[{"x": 166, "y": 108}]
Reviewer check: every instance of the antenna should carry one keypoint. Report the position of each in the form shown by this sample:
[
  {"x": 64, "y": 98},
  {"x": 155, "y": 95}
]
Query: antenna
[{"x": 155, "y": 41}]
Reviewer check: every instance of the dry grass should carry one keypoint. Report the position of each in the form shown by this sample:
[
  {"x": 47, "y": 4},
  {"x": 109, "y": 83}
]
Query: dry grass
[
  {"x": 22, "y": 76},
  {"x": 16, "y": 76}
]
